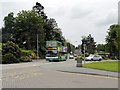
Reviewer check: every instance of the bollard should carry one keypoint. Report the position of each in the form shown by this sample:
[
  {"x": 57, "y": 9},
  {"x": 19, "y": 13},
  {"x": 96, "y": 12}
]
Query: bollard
[{"x": 79, "y": 63}]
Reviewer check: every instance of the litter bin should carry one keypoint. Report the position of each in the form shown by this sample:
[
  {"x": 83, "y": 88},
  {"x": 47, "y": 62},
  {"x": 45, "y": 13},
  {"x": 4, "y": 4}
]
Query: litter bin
[{"x": 79, "y": 63}]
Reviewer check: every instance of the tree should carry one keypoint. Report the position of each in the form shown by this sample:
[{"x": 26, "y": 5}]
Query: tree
[
  {"x": 50, "y": 25},
  {"x": 7, "y": 30},
  {"x": 117, "y": 40},
  {"x": 72, "y": 48},
  {"x": 52, "y": 32},
  {"x": 68, "y": 48},
  {"x": 100, "y": 47},
  {"x": 27, "y": 25},
  {"x": 78, "y": 47},
  {"x": 113, "y": 40},
  {"x": 89, "y": 44},
  {"x": 49, "y": 29},
  {"x": 39, "y": 10}
]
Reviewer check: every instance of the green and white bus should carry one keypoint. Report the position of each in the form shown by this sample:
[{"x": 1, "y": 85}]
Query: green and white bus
[{"x": 55, "y": 51}]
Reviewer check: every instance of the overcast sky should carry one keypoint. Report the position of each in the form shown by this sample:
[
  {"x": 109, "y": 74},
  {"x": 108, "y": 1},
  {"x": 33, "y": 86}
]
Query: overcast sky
[{"x": 76, "y": 18}]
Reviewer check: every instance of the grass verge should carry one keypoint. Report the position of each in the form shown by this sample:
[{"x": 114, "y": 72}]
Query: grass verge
[{"x": 109, "y": 66}]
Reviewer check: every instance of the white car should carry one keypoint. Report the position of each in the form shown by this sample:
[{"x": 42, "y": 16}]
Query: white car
[
  {"x": 89, "y": 58},
  {"x": 71, "y": 57},
  {"x": 93, "y": 58}
]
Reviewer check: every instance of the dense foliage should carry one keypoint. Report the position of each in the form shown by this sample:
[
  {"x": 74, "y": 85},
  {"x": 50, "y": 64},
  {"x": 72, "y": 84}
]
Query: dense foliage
[
  {"x": 113, "y": 41},
  {"x": 8, "y": 29},
  {"x": 11, "y": 53},
  {"x": 23, "y": 28},
  {"x": 89, "y": 44}
]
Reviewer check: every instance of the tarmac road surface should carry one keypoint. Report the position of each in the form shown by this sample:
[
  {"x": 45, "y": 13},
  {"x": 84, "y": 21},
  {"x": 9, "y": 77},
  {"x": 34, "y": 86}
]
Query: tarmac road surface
[{"x": 35, "y": 75}]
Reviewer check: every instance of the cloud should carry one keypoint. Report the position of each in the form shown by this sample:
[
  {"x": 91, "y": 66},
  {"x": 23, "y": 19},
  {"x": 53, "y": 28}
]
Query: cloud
[
  {"x": 55, "y": 12},
  {"x": 78, "y": 13},
  {"x": 14, "y": 7},
  {"x": 107, "y": 19},
  {"x": 76, "y": 18}
]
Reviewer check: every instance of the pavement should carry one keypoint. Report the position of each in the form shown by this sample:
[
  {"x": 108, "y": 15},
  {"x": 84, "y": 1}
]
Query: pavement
[
  {"x": 82, "y": 70},
  {"x": 70, "y": 67}
]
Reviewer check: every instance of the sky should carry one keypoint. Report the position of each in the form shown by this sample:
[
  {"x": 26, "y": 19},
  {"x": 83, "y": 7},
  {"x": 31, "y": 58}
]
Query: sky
[{"x": 76, "y": 18}]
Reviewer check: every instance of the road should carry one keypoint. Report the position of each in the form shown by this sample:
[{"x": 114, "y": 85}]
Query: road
[{"x": 43, "y": 74}]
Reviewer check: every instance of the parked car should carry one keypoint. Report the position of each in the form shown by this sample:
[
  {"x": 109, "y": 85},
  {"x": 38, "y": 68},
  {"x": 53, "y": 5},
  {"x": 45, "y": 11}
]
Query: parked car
[
  {"x": 71, "y": 57},
  {"x": 75, "y": 55},
  {"x": 89, "y": 58},
  {"x": 93, "y": 58},
  {"x": 97, "y": 58}
]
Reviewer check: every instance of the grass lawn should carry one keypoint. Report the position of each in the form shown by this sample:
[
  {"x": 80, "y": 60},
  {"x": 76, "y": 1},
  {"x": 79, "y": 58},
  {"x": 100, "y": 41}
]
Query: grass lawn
[{"x": 109, "y": 66}]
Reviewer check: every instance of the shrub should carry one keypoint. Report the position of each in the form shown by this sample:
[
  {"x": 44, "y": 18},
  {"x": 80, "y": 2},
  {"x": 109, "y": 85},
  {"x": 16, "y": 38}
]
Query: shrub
[
  {"x": 11, "y": 53},
  {"x": 9, "y": 58},
  {"x": 26, "y": 52},
  {"x": 29, "y": 53},
  {"x": 25, "y": 59},
  {"x": 11, "y": 47},
  {"x": 33, "y": 55}
]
